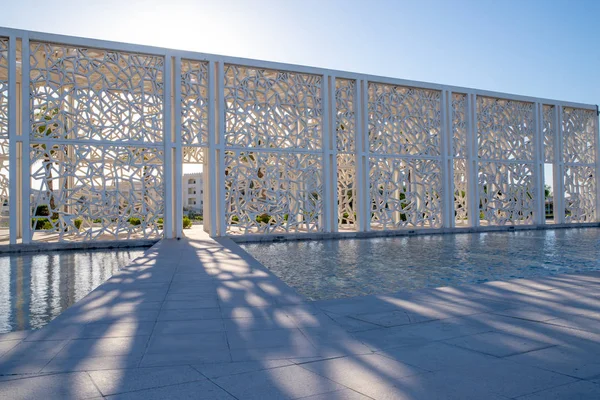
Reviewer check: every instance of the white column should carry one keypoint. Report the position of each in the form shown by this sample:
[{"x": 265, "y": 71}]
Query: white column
[
  {"x": 472, "y": 163},
  {"x": 447, "y": 167},
  {"x": 25, "y": 131},
  {"x": 177, "y": 149},
  {"x": 168, "y": 148},
  {"x": 362, "y": 156},
  {"x": 597, "y": 166},
  {"x": 220, "y": 150},
  {"x": 212, "y": 151},
  {"x": 558, "y": 168},
  {"x": 328, "y": 180},
  {"x": 538, "y": 169},
  {"x": 14, "y": 196}
]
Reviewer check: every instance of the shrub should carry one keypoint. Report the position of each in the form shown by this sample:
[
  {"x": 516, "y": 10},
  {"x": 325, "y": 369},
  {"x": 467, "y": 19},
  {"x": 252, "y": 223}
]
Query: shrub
[
  {"x": 47, "y": 226},
  {"x": 97, "y": 220},
  {"x": 187, "y": 223},
  {"x": 264, "y": 218},
  {"x": 42, "y": 210},
  {"x": 235, "y": 219},
  {"x": 134, "y": 221},
  {"x": 77, "y": 223},
  {"x": 39, "y": 223},
  {"x": 159, "y": 223}
]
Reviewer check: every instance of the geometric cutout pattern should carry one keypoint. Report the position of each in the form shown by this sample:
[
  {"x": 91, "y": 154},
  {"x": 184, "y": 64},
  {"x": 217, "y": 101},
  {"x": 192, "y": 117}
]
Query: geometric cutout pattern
[
  {"x": 345, "y": 115},
  {"x": 346, "y": 191},
  {"x": 579, "y": 135},
  {"x": 194, "y": 103},
  {"x": 193, "y": 155},
  {"x": 89, "y": 94},
  {"x": 506, "y": 193},
  {"x": 405, "y": 193},
  {"x": 505, "y": 128},
  {"x": 461, "y": 213},
  {"x": 580, "y": 193},
  {"x": 272, "y": 109},
  {"x": 4, "y": 144},
  {"x": 271, "y": 192},
  {"x": 459, "y": 125},
  {"x": 404, "y": 121},
  {"x": 91, "y": 192},
  {"x": 548, "y": 130}
]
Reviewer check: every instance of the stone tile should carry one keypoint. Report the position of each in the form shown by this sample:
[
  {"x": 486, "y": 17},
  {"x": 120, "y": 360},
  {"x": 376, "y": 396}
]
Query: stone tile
[
  {"x": 34, "y": 350},
  {"x": 285, "y": 382},
  {"x": 577, "y": 322},
  {"x": 61, "y": 386},
  {"x": 571, "y": 361},
  {"x": 101, "y": 347},
  {"x": 498, "y": 344},
  {"x": 345, "y": 394},
  {"x": 436, "y": 356},
  {"x": 189, "y": 314},
  {"x": 266, "y": 339},
  {"x": 385, "y": 319},
  {"x": 385, "y": 338},
  {"x": 233, "y": 368},
  {"x": 190, "y": 304},
  {"x": 278, "y": 353},
  {"x": 185, "y": 358},
  {"x": 581, "y": 390},
  {"x": 503, "y": 377},
  {"x": 128, "y": 380},
  {"x": 278, "y": 321},
  {"x": 187, "y": 343},
  {"x": 91, "y": 363},
  {"x": 351, "y": 324},
  {"x": 367, "y": 374},
  {"x": 190, "y": 326},
  {"x": 17, "y": 365},
  {"x": 200, "y": 390},
  {"x": 7, "y": 345},
  {"x": 17, "y": 335}
]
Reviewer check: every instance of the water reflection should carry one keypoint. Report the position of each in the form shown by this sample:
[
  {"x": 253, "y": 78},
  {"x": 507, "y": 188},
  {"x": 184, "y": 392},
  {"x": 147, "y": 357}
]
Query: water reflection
[
  {"x": 36, "y": 288},
  {"x": 343, "y": 268}
]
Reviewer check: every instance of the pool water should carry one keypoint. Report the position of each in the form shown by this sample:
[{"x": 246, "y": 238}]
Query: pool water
[
  {"x": 352, "y": 267},
  {"x": 36, "y": 288}
]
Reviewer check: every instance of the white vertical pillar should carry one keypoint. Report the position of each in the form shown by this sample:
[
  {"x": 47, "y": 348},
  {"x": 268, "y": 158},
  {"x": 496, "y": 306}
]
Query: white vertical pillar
[
  {"x": 446, "y": 161},
  {"x": 472, "y": 162},
  {"x": 558, "y": 168},
  {"x": 220, "y": 150},
  {"x": 26, "y": 132},
  {"x": 597, "y": 166},
  {"x": 177, "y": 149},
  {"x": 212, "y": 151},
  {"x": 538, "y": 169},
  {"x": 168, "y": 149},
  {"x": 14, "y": 197},
  {"x": 328, "y": 181},
  {"x": 362, "y": 151},
  {"x": 332, "y": 143}
]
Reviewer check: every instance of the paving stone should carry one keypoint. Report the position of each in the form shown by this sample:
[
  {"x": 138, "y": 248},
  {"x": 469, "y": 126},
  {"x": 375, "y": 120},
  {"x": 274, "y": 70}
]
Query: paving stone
[
  {"x": 278, "y": 383},
  {"x": 185, "y": 358},
  {"x": 34, "y": 350},
  {"x": 189, "y": 342},
  {"x": 190, "y": 326},
  {"x": 189, "y": 314},
  {"x": 578, "y": 362},
  {"x": 498, "y": 344},
  {"x": 91, "y": 363},
  {"x": 60, "y": 386},
  {"x": 100, "y": 347},
  {"x": 436, "y": 356},
  {"x": 581, "y": 390},
  {"x": 128, "y": 380},
  {"x": 233, "y": 368},
  {"x": 17, "y": 335},
  {"x": 385, "y": 338},
  {"x": 345, "y": 394},
  {"x": 266, "y": 338},
  {"x": 200, "y": 390}
]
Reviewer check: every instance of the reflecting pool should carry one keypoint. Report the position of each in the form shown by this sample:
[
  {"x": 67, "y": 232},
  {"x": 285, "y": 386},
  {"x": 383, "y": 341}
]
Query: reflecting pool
[{"x": 35, "y": 288}]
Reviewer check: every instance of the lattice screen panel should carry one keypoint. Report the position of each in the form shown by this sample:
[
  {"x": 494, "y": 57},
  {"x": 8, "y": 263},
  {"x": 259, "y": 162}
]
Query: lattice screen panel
[
  {"x": 272, "y": 109},
  {"x": 194, "y": 103},
  {"x": 4, "y": 144},
  {"x": 87, "y": 192},
  {"x": 271, "y": 192},
  {"x": 405, "y": 193}
]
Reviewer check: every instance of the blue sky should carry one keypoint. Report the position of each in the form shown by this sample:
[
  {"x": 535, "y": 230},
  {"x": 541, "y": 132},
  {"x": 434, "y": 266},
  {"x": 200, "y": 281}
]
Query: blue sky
[{"x": 540, "y": 48}]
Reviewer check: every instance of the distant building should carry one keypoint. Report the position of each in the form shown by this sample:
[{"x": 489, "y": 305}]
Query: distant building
[{"x": 193, "y": 192}]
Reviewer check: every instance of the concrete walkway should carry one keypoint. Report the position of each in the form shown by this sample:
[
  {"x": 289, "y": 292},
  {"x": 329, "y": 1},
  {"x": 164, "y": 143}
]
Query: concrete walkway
[{"x": 200, "y": 319}]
